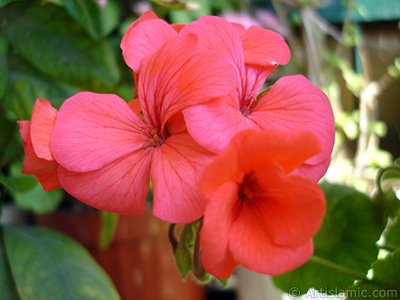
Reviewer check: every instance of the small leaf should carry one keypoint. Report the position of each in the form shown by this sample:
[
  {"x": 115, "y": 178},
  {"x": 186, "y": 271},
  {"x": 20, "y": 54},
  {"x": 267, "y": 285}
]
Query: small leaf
[
  {"x": 87, "y": 14},
  {"x": 49, "y": 265},
  {"x": 109, "y": 225},
  {"x": 347, "y": 238},
  {"x": 385, "y": 281},
  {"x": 27, "y": 84},
  {"x": 7, "y": 285},
  {"x": 10, "y": 141},
  {"x": 184, "y": 251},
  {"x": 47, "y": 37},
  {"x": 392, "y": 234},
  {"x": 3, "y": 65},
  {"x": 5, "y": 2},
  {"x": 29, "y": 194}
]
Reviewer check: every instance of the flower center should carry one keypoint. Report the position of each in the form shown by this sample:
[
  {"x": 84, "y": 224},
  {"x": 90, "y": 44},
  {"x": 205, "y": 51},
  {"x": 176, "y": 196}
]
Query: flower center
[
  {"x": 249, "y": 103},
  {"x": 155, "y": 138},
  {"x": 249, "y": 188}
]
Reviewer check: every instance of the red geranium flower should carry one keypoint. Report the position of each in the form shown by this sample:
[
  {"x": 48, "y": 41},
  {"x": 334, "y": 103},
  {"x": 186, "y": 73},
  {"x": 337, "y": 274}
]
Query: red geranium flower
[{"x": 258, "y": 214}]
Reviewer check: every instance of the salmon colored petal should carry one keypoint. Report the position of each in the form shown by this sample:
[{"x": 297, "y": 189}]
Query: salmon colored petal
[
  {"x": 214, "y": 124},
  {"x": 135, "y": 105},
  {"x": 264, "y": 47},
  {"x": 144, "y": 39},
  {"x": 218, "y": 34},
  {"x": 224, "y": 168},
  {"x": 178, "y": 76},
  {"x": 256, "y": 76},
  {"x": 251, "y": 246},
  {"x": 178, "y": 27},
  {"x": 32, "y": 163},
  {"x": 42, "y": 124},
  {"x": 218, "y": 217},
  {"x": 175, "y": 172},
  {"x": 92, "y": 130},
  {"x": 292, "y": 207},
  {"x": 49, "y": 181},
  {"x": 288, "y": 149},
  {"x": 311, "y": 171},
  {"x": 294, "y": 103},
  {"x": 148, "y": 15},
  {"x": 176, "y": 124},
  {"x": 120, "y": 187}
]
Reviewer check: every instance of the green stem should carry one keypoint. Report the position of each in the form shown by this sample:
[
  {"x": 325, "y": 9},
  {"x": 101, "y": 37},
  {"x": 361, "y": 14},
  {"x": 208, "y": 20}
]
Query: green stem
[
  {"x": 172, "y": 237},
  {"x": 380, "y": 175},
  {"x": 328, "y": 265},
  {"x": 389, "y": 247},
  {"x": 198, "y": 269}
]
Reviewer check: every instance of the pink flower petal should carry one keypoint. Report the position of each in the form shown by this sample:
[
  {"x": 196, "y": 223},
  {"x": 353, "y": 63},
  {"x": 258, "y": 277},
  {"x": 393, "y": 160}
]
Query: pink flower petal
[
  {"x": 214, "y": 124},
  {"x": 218, "y": 217},
  {"x": 178, "y": 76},
  {"x": 33, "y": 164},
  {"x": 264, "y": 47},
  {"x": 144, "y": 39},
  {"x": 148, "y": 15},
  {"x": 292, "y": 207},
  {"x": 120, "y": 187},
  {"x": 294, "y": 103},
  {"x": 218, "y": 34},
  {"x": 42, "y": 124},
  {"x": 92, "y": 130},
  {"x": 175, "y": 172}
]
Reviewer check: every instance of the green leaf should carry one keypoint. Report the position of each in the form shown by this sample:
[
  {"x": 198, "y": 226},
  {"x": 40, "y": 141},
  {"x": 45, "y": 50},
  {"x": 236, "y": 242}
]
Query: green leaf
[
  {"x": 29, "y": 193},
  {"x": 109, "y": 225},
  {"x": 10, "y": 141},
  {"x": 88, "y": 14},
  {"x": 385, "y": 281},
  {"x": 392, "y": 234},
  {"x": 184, "y": 251},
  {"x": 346, "y": 240},
  {"x": 7, "y": 285},
  {"x": 185, "y": 17},
  {"x": 111, "y": 15},
  {"x": 5, "y": 2},
  {"x": 26, "y": 85},
  {"x": 3, "y": 65},
  {"x": 49, "y": 265},
  {"x": 55, "y": 44}
]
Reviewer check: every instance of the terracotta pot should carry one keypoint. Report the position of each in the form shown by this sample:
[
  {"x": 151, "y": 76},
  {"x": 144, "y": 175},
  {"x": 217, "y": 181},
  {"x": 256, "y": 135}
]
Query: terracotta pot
[{"x": 140, "y": 260}]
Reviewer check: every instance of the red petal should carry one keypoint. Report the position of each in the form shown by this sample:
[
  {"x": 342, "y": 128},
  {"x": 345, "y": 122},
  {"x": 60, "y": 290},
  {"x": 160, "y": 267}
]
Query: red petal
[
  {"x": 49, "y": 181},
  {"x": 42, "y": 124},
  {"x": 251, "y": 246},
  {"x": 178, "y": 76},
  {"x": 292, "y": 207},
  {"x": 120, "y": 187},
  {"x": 214, "y": 124},
  {"x": 144, "y": 39},
  {"x": 288, "y": 149},
  {"x": 264, "y": 47},
  {"x": 148, "y": 15},
  {"x": 293, "y": 103},
  {"x": 219, "y": 215},
  {"x": 92, "y": 130},
  {"x": 175, "y": 172},
  {"x": 216, "y": 33},
  {"x": 32, "y": 163}
]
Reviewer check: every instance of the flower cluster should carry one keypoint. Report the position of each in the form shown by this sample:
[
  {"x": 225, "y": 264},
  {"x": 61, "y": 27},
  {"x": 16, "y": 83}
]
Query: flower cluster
[{"x": 213, "y": 146}]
